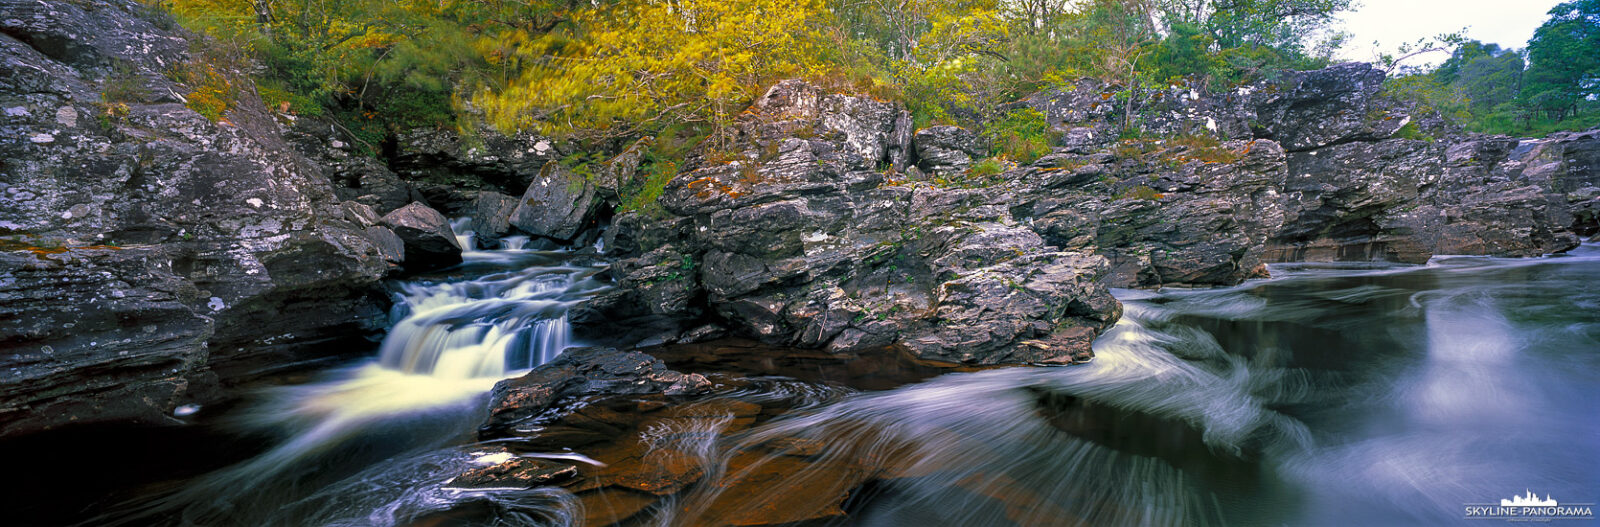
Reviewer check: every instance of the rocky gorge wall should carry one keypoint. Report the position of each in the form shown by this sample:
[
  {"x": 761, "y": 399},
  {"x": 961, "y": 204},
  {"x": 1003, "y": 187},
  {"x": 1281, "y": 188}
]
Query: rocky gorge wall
[{"x": 150, "y": 256}]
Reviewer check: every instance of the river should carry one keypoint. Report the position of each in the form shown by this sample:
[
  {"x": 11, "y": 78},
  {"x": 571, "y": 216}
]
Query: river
[{"x": 1331, "y": 394}]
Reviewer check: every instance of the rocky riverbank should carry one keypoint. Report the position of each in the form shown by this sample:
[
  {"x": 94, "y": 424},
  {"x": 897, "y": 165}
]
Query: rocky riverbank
[{"x": 152, "y": 255}]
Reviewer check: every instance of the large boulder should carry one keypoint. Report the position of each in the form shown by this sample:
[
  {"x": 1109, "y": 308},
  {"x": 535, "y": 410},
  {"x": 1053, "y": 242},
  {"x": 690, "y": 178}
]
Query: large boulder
[
  {"x": 148, "y": 255},
  {"x": 557, "y": 204},
  {"x": 429, "y": 242}
]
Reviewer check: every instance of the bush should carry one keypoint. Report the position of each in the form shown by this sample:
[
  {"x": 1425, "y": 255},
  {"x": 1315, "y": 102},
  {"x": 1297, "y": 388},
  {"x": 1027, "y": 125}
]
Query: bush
[{"x": 1022, "y": 136}]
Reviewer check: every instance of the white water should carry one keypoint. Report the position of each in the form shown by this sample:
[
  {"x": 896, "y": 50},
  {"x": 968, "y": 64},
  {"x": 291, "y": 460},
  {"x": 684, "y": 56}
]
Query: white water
[
  {"x": 454, "y": 335},
  {"x": 1327, "y": 396}
]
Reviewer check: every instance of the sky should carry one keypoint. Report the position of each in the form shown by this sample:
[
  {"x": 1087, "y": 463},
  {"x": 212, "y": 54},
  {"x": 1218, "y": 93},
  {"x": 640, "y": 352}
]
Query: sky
[{"x": 1509, "y": 23}]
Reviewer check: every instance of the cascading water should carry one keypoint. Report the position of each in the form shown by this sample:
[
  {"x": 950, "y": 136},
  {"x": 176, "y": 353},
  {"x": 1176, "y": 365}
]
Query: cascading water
[
  {"x": 453, "y": 336},
  {"x": 1362, "y": 395}
]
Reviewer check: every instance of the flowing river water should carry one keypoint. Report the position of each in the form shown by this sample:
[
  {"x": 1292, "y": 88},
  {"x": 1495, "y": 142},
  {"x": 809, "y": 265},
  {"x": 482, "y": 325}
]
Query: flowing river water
[{"x": 1368, "y": 394}]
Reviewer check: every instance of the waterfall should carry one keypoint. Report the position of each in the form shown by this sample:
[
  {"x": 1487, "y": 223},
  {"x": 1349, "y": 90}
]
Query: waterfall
[{"x": 490, "y": 326}]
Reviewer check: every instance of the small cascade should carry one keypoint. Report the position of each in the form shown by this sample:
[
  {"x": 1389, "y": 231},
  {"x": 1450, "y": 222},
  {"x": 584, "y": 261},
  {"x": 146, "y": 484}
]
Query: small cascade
[
  {"x": 465, "y": 237},
  {"x": 454, "y": 335},
  {"x": 492, "y": 325}
]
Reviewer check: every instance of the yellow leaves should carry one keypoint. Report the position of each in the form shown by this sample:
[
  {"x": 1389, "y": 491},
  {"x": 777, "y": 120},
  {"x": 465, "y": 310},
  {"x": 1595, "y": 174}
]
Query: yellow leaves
[{"x": 647, "y": 62}]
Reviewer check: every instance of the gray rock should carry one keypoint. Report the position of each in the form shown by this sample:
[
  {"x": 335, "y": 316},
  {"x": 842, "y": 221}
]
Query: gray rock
[
  {"x": 557, "y": 204},
  {"x": 946, "y": 149},
  {"x": 580, "y": 372},
  {"x": 491, "y": 214},
  {"x": 429, "y": 242},
  {"x": 620, "y": 172},
  {"x": 146, "y": 257},
  {"x": 795, "y": 241}
]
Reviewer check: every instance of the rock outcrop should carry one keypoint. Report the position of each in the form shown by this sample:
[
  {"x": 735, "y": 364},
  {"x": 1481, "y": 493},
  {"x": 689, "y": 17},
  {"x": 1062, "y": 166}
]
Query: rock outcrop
[
  {"x": 1321, "y": 166},
  {"x": 807, "y": 230},
  {"x": 796, "y": 236},
  {"x": 147, "y": 254}
]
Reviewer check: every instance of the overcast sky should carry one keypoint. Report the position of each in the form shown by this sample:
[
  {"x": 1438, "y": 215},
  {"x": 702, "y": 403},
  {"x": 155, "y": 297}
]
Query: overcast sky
[{"x": 1509, "y": 23}]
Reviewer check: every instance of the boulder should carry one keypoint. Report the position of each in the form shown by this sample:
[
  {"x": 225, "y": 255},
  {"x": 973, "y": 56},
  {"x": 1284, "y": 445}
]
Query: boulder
[
  {"x": 581, "y": 372},
  {"x": 429, "y": 242},
  {"x": 557, "y": 204},
  {"x": 491, "y": 214}
]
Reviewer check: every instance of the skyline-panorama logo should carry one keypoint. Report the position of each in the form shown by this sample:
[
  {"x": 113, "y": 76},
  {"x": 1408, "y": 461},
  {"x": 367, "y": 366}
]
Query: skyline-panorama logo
[{"x": 1530, "y": 507}]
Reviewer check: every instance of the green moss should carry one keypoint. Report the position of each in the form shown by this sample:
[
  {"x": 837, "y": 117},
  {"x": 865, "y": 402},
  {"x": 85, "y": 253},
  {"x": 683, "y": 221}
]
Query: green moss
[
  {"x": 1140, "y": 192},
  {"x": 1413, "y": 132}
]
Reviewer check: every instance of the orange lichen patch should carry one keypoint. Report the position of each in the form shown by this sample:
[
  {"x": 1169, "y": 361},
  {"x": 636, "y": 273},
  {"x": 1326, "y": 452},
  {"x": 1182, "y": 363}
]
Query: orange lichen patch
[
  {"x": 708, "y": 187},
  {"x": 1105, "y": 96},
  {"x": 42, "y": 251}
]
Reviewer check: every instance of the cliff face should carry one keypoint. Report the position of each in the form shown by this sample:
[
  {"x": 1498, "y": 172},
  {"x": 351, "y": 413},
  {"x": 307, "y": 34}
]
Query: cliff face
[
  {"x": 799, "y": 230},
  {"x": 148, "y": 254}
]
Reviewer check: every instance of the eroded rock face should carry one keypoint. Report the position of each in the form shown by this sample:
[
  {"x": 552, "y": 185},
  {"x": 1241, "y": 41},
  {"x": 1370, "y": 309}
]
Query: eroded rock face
[
  {"x": 1314, "y": 171},
  {"x": 147, "y": 254},
  {"x": 946, "y": 149},
  {"x": 799, "y": 239}
]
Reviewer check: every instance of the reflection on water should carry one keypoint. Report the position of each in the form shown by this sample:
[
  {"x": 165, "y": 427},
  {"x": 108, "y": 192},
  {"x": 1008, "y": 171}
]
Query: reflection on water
[{"x": 1331, "y": 395}]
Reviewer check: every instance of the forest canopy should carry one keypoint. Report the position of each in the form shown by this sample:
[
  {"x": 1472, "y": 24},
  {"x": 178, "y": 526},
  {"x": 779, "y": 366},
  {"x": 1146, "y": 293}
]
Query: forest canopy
[{"x": 609, "y": 69}]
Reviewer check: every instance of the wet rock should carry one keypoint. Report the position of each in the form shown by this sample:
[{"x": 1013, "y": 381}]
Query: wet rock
[
  {"x": 429, "y": 242},
  {"x": 946, "y": 149},
  {"x": 502, "y": 470},
  {"x": 557, "y": 204},
  {"x": 579, "y": 372},
  {"x": 146, "y": 257},
  {"x": 491, "y": 214}
]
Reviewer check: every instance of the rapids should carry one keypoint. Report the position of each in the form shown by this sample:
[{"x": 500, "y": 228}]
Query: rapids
[{"x": 1332, "y": 394}]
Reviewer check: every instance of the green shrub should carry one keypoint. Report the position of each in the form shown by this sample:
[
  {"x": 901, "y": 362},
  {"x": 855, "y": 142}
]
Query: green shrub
[{"x": 1022, "y": 136}]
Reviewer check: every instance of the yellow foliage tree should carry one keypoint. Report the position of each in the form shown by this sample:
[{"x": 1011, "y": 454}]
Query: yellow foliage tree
[{"x": 643, "y": 63}]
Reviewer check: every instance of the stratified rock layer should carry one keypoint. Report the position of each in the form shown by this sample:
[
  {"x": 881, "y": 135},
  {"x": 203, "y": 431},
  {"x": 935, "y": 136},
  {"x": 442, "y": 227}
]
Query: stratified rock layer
[{"x": 148, "y": 254}]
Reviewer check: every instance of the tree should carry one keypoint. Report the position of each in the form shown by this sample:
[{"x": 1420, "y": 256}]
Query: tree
[
  {"x": 1565, "y": 59},
  {"x": 641, "y": 64}
]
